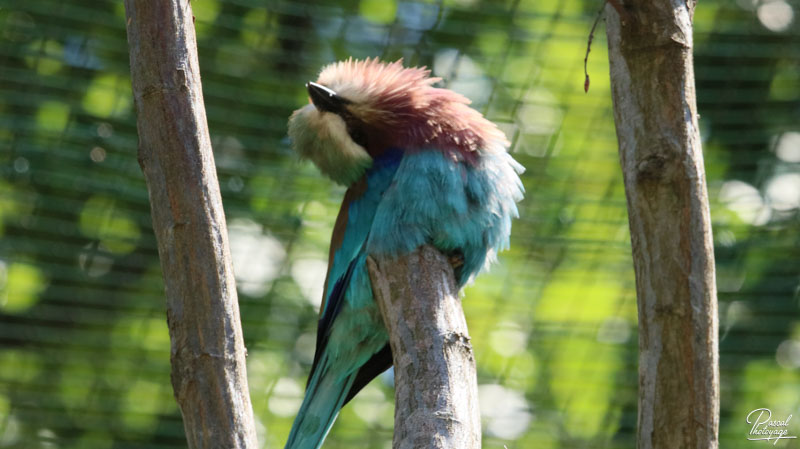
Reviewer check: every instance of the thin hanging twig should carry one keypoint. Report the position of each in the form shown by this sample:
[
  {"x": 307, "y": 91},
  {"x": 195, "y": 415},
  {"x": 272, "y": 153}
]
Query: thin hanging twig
[{"x": 589, "y": 47}]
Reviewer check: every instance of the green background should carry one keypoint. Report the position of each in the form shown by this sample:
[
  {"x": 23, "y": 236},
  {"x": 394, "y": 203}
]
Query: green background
[{"x": 84, "y": 349}]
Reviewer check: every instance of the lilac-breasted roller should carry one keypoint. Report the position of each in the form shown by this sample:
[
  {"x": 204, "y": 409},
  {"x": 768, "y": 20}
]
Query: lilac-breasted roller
[{"x": 421, "y": 167}]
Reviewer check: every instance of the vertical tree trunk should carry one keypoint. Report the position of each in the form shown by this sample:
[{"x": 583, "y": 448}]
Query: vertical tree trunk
[
  {"x": 652, "y": 82},
  {"x": 207, "y": 350},
  {"x": 436, "y": 389}
]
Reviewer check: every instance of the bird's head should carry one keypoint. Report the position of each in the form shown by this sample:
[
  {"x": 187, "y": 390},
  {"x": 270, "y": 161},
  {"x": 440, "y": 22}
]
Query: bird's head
[{"x": 361, "y": 108}]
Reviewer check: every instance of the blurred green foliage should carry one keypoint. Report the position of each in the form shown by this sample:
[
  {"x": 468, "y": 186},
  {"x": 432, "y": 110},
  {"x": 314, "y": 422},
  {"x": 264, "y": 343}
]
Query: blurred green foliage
[{"x": 84, "y": 350}]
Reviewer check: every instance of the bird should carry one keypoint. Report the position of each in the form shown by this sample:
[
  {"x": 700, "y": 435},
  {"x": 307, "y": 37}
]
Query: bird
[{"x": 420, "y": 167}]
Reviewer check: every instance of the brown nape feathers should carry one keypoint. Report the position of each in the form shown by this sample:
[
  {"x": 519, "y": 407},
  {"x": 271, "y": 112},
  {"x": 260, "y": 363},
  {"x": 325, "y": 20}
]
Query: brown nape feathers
[{"x": 399, "y": 107}]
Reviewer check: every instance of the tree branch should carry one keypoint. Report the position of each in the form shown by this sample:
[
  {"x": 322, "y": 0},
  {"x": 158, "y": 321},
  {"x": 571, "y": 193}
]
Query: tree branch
[
  {"x": 207, "y": 349},
  {"x": 436, "y": 390},
  {"x": 652, "y": 82}
]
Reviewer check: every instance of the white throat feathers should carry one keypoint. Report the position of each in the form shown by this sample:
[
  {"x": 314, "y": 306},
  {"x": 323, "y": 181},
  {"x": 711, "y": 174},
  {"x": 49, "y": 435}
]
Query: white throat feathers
[{"x": 322, "y": 137}]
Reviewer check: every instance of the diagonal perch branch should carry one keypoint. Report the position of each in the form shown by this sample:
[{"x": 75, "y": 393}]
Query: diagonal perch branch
[
  {"x": 436, "y": 391},
  {"x": 207, "y": 349},
  {"x": 655, "y": 111}
]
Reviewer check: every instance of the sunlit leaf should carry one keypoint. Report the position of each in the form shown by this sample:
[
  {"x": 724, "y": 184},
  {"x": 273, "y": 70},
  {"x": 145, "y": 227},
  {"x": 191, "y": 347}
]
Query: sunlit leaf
[
  {"x": 379, "y": 11},
  {"x": 53, "y": 116},
  {"x": 46, "y": 57},
  {"x": 108, "y": 95},
  {"x": 102, "y": 220},
  {"x": 22, "y": 285}
]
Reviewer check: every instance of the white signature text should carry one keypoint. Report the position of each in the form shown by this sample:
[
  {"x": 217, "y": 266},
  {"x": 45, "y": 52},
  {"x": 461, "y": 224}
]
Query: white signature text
[{"x": 765, "y": 429}]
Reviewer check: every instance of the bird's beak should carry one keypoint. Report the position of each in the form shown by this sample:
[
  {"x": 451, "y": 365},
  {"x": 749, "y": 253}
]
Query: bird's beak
[{"x": 325, "y": 99}]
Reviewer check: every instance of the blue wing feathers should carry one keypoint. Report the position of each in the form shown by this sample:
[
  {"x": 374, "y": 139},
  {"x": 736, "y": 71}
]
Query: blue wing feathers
[
  {"x": 351, "y": 339},
  {"x": 324, "y": 326},
  {"x": 360, "y": 213}
]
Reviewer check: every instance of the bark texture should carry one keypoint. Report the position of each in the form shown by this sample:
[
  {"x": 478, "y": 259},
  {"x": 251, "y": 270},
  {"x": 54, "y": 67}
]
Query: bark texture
[
  {"x": 436, "y": 389},
  {"x": 652, "y": 83},
  {"x": 207, "y": 349}
]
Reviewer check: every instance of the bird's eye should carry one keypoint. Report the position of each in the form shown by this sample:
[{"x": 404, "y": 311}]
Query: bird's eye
[
  {"x": 357, "y": 135},
  {"x": 355, "y": 128}
]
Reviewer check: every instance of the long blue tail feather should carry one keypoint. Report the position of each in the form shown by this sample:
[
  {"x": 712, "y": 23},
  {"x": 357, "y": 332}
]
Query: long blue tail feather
[{"x": 325, "y": 396}]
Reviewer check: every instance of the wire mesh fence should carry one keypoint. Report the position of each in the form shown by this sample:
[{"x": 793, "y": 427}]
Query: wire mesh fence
[{"x": 84, "y": 350}]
